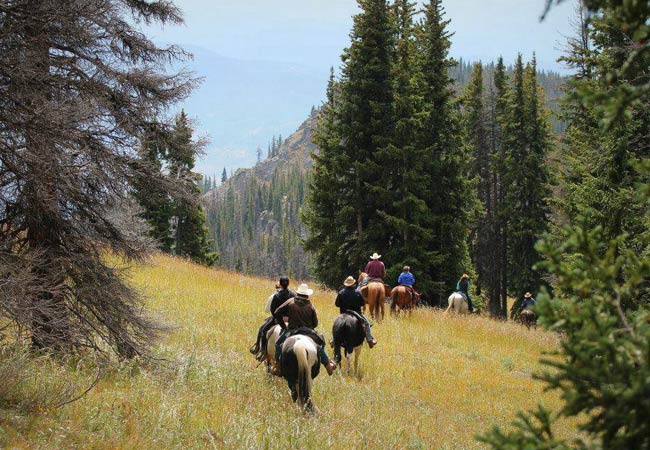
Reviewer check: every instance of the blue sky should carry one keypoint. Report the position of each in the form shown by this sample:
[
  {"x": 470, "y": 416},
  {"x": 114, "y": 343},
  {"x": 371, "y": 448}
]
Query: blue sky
[{"x": 289, "y": 45}]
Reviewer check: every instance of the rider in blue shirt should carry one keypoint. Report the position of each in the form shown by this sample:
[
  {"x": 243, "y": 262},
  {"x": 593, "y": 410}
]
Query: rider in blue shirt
[{"x": 407, "y": 279}]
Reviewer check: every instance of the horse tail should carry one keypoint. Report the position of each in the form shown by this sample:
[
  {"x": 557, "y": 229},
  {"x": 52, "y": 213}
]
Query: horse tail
[
  {"x": 304, "y": 371},
  {"x": 450, "y": 300}
]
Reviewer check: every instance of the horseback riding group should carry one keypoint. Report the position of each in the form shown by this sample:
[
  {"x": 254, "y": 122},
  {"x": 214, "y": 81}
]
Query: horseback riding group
[{"x": 291, "y": 347}]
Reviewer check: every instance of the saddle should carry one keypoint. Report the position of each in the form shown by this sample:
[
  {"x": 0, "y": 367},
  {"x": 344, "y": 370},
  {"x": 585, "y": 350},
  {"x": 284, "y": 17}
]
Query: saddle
[
  {"x": 318, "y": 338},
  {"x": 463, "y": 295},
  {"x": 356, "y": 315}
]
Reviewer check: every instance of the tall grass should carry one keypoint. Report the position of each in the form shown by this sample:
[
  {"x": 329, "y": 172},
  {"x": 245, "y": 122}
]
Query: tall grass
[{"x": 432, "y": 382}]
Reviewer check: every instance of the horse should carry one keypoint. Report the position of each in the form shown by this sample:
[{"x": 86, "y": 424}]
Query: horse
[
  {"x": 374, "y": 294},
  {"x": 529, "y": 318},
  {"x": 348, "y": 333},
  {"x": 401, "y": 300},
  {"x": 272, "y": 337},
  {"x": 300, "y": 365},
  {"x": 457, "y": 304}
]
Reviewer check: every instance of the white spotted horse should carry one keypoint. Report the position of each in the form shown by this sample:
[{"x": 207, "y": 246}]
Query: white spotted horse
[
  {"x": 300, "y": 365},
  {"x": 348, "y": 333},
  {"x": 271, "y": 338},
  {"x": 458, "y": 304}
]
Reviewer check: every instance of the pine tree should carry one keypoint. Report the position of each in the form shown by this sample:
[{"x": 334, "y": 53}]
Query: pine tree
[
  {"x": 599, "y": 179},
  {"x": 362, "y": 123},
  {"x": 499, "y": 118},
  {"x": 447, "y": 194},
  {"x": 81, "y": 85},
  {"x": 324, "y": 205},
  {"x": 527, "y": 143},
  {"x": 190, "y": 233},
  {"x": 477, "y": 143},
  {"x": 156, "y": 201},
  {"x": 406, "y": 214},
  {"x": 224, "y": 176},
  {"x": 603, "y": 365}
]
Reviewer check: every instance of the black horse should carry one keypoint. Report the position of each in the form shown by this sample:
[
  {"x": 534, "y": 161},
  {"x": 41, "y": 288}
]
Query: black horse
[
  {"x": 348, "y": 333},
  {"x": 300, "y": 365}
]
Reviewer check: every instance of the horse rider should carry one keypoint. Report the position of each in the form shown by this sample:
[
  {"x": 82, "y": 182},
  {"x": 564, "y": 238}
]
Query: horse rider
[
  {"x": 349, "y": 300},
  {"x": 462, "y": 286},
  {"x": 375, "y": 270},
  {"x": 529, "y": 301},
  {"x": 407, "y": 279},
  {"x": 282, "y": 294},
  {"x": 302, "y": 315}
]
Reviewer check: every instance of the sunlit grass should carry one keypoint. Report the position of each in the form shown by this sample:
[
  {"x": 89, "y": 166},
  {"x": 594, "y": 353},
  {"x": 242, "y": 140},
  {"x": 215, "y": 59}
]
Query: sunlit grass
[{"x": 432, "y": 382}]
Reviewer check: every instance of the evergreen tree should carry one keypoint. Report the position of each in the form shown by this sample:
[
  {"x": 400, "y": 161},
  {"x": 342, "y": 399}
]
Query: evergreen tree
[
  {"x": 598, "y": 179},
  {"x": 528, "y": 142},
  {"x": 224, "y": 176},
  {"x": 190, "y": 233},
  {"x": 477, "y": 142},
  {"x": 499, "y": 116},
  {"x": 81, "y": 85},
  {"x": 407, "y": 213},
  {"x": 448, "y": 193},
  {"x": 604, "y": 364},
  {"x": 363, "y": 122},
  {"x": 325, "y": 208},
  {"x": 156, "y": 201}
]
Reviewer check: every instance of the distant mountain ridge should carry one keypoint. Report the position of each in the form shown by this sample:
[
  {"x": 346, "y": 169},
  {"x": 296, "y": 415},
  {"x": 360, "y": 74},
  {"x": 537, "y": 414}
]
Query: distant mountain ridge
[{"x": 254, "y": 216}]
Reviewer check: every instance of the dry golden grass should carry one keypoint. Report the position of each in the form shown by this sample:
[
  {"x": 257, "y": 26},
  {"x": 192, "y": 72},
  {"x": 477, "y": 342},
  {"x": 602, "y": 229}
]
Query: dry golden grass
[{"x": 432, "y": 382}]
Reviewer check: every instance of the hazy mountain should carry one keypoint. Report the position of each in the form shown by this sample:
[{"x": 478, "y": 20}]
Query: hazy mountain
[{"x": 242, "y": 104}]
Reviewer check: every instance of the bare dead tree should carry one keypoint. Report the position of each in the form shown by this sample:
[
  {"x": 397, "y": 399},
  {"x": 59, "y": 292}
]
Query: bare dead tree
[{"x": 79, "y": 84}]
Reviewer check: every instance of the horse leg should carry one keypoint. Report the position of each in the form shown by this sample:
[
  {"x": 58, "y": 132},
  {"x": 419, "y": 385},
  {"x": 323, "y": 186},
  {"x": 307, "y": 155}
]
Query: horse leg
[{"x": 337, "y": 353}]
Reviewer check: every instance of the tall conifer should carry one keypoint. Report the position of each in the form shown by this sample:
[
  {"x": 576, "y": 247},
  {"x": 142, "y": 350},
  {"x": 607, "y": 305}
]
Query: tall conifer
[
  {"x": 447, "y": 193},
  {"x": 353, "y": 134}
]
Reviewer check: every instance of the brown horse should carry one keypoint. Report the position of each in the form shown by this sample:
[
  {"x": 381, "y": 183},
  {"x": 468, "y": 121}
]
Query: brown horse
[
  {"x": 401, "y": 300},
  {"x": 528, "y": 318},
  {"x": 373, "y": 295}
]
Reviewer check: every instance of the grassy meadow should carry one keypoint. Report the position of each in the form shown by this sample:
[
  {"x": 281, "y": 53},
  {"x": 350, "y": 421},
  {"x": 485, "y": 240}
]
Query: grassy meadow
[{"x": 432, "y": 382}]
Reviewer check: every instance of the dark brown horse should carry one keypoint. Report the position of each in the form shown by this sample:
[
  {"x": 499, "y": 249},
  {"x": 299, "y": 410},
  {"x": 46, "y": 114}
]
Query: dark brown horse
[
  {"x": 401, "y": 300},
  {"x": 373, "y": 295},
  {"x": 528, "y": 318}
]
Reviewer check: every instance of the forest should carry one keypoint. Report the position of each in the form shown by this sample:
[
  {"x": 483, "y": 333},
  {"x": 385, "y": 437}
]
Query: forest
[{"x": 526, "y": 181}]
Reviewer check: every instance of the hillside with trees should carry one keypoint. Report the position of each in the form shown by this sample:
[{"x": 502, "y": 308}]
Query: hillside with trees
[{"x": 254, "y": 216}]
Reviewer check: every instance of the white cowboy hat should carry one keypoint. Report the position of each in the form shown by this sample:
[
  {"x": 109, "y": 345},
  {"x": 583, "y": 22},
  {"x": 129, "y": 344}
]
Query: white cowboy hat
[
  {"x": 349, "y": 281},
  {"x": 375, "y": 256},
  {"x": 303, "y": 289}
]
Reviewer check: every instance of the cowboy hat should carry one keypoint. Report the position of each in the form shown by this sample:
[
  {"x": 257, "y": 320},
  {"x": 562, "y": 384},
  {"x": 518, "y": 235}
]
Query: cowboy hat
[
  {"x": 375, "y": 256},
  {"x": 349, "y": 281},
  {"x": 303, "y": 289},
  {"x": 527, "y": 295},
  {"x": 465, "y": 276}
]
